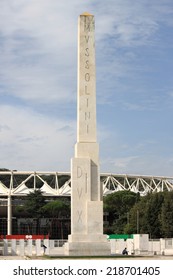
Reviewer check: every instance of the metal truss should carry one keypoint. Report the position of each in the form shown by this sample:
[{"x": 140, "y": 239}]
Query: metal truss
[
  {"x": 138, "y": 184},
  {"x": 18, "y": 183}
]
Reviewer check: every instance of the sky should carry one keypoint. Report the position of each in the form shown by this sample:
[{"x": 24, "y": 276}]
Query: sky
[{"x": 38, "y": 84}]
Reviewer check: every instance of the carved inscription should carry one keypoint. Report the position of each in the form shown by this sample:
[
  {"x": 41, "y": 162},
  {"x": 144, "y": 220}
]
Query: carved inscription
[
  {"x": 82, "y": 175},
  {"x": 88, "y": 29},
  {"x": 86, "y": 80},
  {"x": 87, "y": 64},
  {"x": 87, "y": 52},
  {"x": 79, "y": 213},
  {"x": 79, "y": 175},
  {"x": 86, "y": 91},
  {"x": 89, "y": 24},
  {"x": 87, "y": 39},
  {"x": 87, "y": 128},
  {"x": 81, "y": 189},
  {"x": 87, "y": 116},
  {"x": 79, "y": 172},
  {"x": 87, "y": 77}
]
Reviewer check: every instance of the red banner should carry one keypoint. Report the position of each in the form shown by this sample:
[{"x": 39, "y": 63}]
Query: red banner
[{"x": 24, "y": 236}]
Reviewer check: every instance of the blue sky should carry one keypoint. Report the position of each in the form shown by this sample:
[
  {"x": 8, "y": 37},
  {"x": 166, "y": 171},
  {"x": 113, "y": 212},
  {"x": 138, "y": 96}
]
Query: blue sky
[{"x": 38, "y": 84}]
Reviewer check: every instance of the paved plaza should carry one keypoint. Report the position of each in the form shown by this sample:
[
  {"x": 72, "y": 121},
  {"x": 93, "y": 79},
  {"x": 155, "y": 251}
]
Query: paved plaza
[{"x": 103, "y": 257}]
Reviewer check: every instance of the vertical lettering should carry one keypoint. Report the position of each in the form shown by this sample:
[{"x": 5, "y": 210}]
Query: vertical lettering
[
  {"x": 87, "y": 39},
  {"x": 79, "y": 172},
  {"x": 79, "y": 216},
  {"x": 87, "y": 52},
  {"x": 87, "y": 77},
  {"x": 86, "y": 25},
  {"x": 87, "y": 115},
  {"x": 87, "y": 64},
  {"x": 89, "y": 24},
  {"x": 79, "y": 191},
  {"x": 87, "y": 93},
  {"x": 87, "y": 128}
]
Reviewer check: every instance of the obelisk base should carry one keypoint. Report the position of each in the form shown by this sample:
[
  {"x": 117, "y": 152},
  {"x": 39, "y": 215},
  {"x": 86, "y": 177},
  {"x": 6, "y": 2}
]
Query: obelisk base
[{"x": 101, "y": 247}]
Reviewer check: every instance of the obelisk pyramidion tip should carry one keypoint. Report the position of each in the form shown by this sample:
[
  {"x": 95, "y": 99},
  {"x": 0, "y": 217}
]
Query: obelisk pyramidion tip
[{"x": 86, "y": 14}]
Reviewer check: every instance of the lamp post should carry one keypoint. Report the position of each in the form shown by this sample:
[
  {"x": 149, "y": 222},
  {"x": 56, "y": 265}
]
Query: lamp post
[
  {"x": 9, "y": 214},
  {"x": 9, "y": 208}
]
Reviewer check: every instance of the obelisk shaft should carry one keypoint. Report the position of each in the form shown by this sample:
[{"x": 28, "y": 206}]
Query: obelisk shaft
[
  {"x": 86, "y": 125},
  {"x": 87, "y": 146}
]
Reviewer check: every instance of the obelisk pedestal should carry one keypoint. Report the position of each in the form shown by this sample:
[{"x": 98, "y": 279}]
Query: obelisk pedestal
[{"x": 87, "y": 236}]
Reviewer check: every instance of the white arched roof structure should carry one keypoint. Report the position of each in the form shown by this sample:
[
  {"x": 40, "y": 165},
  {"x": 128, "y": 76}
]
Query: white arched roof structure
[{"x": 21, "y": 183}]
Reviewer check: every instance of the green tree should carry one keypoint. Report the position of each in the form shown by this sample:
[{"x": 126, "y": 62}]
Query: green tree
[
  {"x": 59, "y": 212},
  {"x": 56, "y": 208},
  {"x": 137, "y": 221},
  {"x": 34, "y": 203},
  {"x": 145, "y": 215},
  {"x": 118, "y": 205},
  {"x": 152, "y": 214},
  {"x": 167, "y": 215},
  {"x": 32, "y": 207}
]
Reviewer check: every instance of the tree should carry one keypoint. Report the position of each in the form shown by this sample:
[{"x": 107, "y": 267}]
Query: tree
[
  {"x": 118, "y": 205},
  {"x": 167, "y": 215},
  {"x": 34, "y": 203},
  {"x": 145, "y": 215},
  {"x": 58, "y": 210},
  {"x": 152, "y": 214},
  {"x": 137, "y": 221},
  {"x": 32, "y": 207}
]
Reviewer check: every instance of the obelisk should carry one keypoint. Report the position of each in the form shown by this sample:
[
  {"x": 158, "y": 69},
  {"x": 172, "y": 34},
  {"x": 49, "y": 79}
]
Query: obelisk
[{"x": 87, "y": 236}]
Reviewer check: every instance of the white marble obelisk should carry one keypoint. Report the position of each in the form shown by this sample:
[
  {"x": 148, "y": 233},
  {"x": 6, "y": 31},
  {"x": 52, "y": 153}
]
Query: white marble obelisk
[{"x": 86, "y": 199}]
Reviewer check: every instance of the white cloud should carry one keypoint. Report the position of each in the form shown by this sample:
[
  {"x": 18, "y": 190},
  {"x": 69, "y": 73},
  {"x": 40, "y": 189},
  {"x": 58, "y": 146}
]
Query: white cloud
[
  {"x": 123, "y": 163},
  {"x": 39, "y": 41},
  {"x": 34, "y": 142},
  {"x": 155, "y": 165},
  {"x": 38, "y": 50},
  {"x": 132, "y": 24}
]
